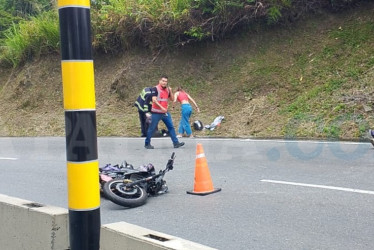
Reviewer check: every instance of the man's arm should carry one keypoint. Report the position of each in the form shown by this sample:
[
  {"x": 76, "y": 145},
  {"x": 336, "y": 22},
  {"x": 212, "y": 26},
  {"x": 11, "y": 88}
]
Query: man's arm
[
  {"x": 154, "y": 99},
  {"x": 147, "y": 103}
]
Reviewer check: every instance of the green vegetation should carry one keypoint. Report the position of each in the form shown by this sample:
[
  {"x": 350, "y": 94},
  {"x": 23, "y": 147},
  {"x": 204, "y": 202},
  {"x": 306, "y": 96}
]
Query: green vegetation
[
  {"x": 33, "y": 38},
  {"x": 155, "y": 24}
]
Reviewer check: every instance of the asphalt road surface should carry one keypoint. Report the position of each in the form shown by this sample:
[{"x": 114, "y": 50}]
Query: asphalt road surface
[{"x": 276, "y": 194}]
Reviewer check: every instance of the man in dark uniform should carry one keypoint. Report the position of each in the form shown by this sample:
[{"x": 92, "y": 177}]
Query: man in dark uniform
[{"x": 144, "y": 105}]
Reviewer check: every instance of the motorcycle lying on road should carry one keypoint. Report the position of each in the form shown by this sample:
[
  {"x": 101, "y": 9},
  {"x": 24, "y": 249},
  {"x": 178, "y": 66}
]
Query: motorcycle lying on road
[
  {"x": 110, "y": 172},
  {"x": 130, "y": 187}
]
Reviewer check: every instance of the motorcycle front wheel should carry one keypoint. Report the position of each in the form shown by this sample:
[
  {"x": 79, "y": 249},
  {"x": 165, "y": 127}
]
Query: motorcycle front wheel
[{"x": 117, "y": 192}]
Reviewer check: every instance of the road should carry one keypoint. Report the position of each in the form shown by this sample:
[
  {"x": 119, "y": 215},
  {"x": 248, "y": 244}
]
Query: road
[{"x": 276, "y": 194}]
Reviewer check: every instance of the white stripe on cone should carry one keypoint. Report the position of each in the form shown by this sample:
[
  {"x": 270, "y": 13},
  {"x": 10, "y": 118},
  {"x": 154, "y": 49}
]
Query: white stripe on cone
[{"x": 200, "y": 156}]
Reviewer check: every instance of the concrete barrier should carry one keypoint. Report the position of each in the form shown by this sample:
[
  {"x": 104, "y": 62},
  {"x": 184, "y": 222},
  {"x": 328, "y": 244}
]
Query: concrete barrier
[
  {"x": 26, "y": 225},
  {"x": 29, "y": 225},
  {"x": 126, "y": 236}
]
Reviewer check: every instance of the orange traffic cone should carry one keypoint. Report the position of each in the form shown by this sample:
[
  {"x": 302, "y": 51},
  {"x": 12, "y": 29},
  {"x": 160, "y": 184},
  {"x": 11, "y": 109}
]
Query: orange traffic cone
[{"x": 203, "y": 182}]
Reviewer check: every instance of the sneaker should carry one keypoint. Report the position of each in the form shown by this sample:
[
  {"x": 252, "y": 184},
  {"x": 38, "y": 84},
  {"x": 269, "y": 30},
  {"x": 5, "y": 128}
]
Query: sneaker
[
  {"x": 149, "y": 146},
  {"x": 372, "y": 141},
  {"x": 179, "y": 136},
  {"x": 179, "y": 144}
]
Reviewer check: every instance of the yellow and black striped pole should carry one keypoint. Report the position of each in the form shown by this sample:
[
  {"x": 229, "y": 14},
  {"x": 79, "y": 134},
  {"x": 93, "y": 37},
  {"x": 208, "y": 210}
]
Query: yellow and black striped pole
[{"x": 80, "y": 124}]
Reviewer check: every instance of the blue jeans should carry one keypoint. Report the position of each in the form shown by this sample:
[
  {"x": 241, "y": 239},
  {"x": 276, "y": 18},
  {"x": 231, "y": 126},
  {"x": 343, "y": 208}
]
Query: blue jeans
[
  {"x": 166, "y": 118},
  {"x": 184, "y": 125}
]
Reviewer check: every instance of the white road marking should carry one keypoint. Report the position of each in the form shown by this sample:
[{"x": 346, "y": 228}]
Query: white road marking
[
  {"x": 8, "y": 158},
  {"x": 321, "y": 186}
]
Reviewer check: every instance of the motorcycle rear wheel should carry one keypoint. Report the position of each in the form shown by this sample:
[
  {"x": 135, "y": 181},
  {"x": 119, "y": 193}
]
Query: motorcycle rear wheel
[{"x": 117, "y": 192}]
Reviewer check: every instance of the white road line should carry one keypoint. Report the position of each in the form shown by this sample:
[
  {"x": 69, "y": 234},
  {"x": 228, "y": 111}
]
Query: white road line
[
  {"x": 321, "y": 186},
  {"x": 8, "y": 158}
]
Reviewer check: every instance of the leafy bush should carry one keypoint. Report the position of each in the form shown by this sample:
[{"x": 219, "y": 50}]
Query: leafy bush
[
  {"x": 25, "y": 8},
  {"x": 154, "y": 24},
  {"x": 6, "y": 21},
  {"x": 122, "y": 24},
  {"x": 31, "y": 39},
  {"x": 158, "y": 24}
]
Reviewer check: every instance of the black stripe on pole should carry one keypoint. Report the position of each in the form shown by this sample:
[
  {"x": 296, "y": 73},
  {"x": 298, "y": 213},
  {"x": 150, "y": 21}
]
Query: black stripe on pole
[
  {"x": 81, "y": 140},
  {"x": 78, "y": 233},
  {"x": 76, "y": 41}
]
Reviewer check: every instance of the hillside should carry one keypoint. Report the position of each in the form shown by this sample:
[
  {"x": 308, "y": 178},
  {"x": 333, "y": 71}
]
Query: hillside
[{"x": 312, "y": 78}]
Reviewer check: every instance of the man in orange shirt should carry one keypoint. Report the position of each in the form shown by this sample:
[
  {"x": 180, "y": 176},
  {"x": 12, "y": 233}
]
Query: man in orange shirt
[{"x": 160, "y": 112}]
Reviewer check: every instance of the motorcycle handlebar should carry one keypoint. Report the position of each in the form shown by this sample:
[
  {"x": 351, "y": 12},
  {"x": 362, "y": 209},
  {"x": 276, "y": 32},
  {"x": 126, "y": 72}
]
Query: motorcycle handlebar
[
  {"x": 169, "y": 165},
  {"x": 162, "y": 172}
]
